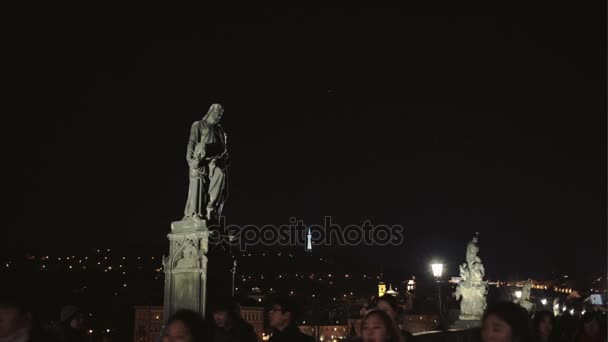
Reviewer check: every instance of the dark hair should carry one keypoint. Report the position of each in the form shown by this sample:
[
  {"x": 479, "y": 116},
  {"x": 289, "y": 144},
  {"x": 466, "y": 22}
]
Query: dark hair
[
  {"x": 539, "y": 316},
  {"x": 392, "y": 301},
  {"x": 226, "y": 304},
  {"x": 193, "y": 321},
  {"x": 590, "y": 317},
  {"x": 289, "y": 305},
  {"x": 515, "y": 316},
  {"x": 392, "y": 331}
]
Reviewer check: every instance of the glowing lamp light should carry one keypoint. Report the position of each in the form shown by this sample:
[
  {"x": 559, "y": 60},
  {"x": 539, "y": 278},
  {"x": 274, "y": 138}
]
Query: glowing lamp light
[
  {"x": 543, "y": 301},
  {"x": 437, "y": 270},
  {"x": 518, "y": 294}
]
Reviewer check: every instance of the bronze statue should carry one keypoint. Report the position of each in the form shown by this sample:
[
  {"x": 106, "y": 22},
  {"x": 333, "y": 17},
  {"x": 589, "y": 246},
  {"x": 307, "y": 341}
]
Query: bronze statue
[{"x": 207, "y": 158}]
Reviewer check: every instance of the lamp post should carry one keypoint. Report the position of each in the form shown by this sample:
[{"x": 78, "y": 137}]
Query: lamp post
[
  {"x": 233, "y": 274},
  {"x": 437, "y": 272}
]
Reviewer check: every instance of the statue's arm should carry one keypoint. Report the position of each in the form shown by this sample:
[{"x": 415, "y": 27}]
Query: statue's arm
[{"x": 192, "y": 142}]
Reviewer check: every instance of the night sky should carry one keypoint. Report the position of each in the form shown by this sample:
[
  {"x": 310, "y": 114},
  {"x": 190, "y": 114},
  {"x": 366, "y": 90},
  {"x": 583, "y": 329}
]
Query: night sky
[{"x": 446, "y": 121}]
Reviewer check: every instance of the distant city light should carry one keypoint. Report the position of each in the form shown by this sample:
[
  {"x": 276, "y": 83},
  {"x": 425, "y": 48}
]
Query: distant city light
[{"x": 543, "y": 301}]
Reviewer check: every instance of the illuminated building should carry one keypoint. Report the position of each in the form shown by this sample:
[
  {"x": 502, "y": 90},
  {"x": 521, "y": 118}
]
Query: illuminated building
[
  {"x": 381, "y": 289},
  {"x": 148, "y": 323}
]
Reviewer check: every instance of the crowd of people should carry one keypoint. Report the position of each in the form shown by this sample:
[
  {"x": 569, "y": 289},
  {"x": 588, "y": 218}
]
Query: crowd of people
[{"x": 502, "y": 322}]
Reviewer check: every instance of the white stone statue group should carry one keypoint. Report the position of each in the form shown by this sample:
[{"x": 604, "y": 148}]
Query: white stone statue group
[{"x": 472, "y": 288}]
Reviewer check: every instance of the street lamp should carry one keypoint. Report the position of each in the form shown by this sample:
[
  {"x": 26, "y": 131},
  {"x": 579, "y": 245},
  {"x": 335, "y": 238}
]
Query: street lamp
[
  {"x": 543, "y": 301},
  {"x": 437, "y": 271},
  {"x": 518, "y": 294}
]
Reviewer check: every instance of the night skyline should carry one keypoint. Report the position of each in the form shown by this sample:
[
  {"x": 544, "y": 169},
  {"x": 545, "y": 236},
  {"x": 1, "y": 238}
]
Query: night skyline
[{"x": 446, "y": 124}]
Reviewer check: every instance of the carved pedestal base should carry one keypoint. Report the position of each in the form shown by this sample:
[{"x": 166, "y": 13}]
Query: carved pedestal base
[{"x": 186, "y": 267}]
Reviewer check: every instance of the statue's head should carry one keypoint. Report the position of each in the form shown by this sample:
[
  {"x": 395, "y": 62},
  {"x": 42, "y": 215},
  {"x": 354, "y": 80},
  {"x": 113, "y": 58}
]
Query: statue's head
[{"x": 214, "y": 114}]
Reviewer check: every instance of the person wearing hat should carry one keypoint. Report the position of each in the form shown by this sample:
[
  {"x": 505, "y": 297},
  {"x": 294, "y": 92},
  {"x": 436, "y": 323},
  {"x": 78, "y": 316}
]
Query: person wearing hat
[{"x": 227, "y": 324}]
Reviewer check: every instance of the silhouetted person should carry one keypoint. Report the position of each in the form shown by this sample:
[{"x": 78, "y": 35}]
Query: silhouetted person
[
  {"x": 185, "y": 326},
  {"x": 505, "y": 322},
  {"x": 17, "y": 319},
  {"x": 282, "y": 318},
  {"x": 543, "y": 326},
  {"x": 388, "y": 304},
  {"x": 228, "y": 326},
  {"x": 70, "y": 327},
  {"x": 377, "y": 326},
  {"x": 591, "y": 328}
]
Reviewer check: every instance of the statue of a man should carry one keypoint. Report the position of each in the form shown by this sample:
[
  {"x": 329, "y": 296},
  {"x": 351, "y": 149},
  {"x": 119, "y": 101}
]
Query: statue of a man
[
  {"x": 207, "y": 158},
  {"x": 472, "y": 251}
]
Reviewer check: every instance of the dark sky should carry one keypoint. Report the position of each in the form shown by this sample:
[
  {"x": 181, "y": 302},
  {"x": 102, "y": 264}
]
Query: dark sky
[{"x": 444, "y": 120}]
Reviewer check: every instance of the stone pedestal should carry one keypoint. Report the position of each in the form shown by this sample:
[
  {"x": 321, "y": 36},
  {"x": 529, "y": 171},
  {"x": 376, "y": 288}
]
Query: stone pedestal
[{"x": 186, "y": 267}]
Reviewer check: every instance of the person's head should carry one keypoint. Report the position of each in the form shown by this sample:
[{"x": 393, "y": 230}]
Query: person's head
[
  {"x": 283, "y": 312},
  {"x": 15, "y": 312},
  {"x": 377, "y": 326},
  {"x": 214, "y": 114},
  {"x": 543, "y": 324},
  {"x": 224, "y": 313},
  {"x": 72, "y": 316},
  {"x": 590, "y": 324},
  {"x": 388, "y": 304},
  {"x": 505, "y": 322},
  {"x": 184, "y": 326},
  {"x": 12, "y": 319}
]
